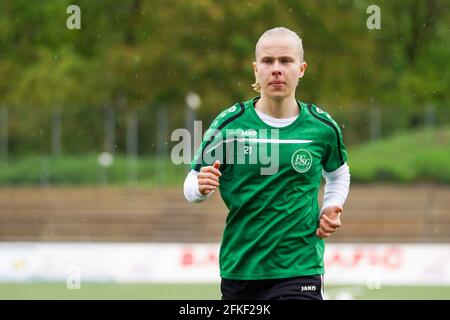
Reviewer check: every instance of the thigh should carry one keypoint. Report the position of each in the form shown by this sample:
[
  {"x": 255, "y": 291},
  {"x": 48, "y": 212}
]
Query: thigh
[{"x": 297, "y": 288}]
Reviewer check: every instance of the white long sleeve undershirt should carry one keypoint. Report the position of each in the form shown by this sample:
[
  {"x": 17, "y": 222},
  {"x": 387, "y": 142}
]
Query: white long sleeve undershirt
[
  {"x": 191, "y": 192},
  {"x": 337, "y": 183}
]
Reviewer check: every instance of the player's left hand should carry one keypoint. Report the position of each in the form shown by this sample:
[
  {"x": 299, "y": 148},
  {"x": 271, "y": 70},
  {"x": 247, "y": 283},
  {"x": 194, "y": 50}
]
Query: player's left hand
[{"x": 329, "y": 221}]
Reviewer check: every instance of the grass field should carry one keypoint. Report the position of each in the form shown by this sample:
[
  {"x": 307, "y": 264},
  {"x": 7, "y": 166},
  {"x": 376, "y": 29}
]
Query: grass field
[{"x": 200, "y": 292}]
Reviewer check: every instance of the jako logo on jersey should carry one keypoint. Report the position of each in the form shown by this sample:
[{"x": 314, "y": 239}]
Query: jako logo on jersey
[
  {"x": 301, "y": 160},
  {"x": 308, "y": 288},
  {"x": 249, "y": 132}
]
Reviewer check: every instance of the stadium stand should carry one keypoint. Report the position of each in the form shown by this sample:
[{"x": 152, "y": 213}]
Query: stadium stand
[{"x": 372, "y": 214}]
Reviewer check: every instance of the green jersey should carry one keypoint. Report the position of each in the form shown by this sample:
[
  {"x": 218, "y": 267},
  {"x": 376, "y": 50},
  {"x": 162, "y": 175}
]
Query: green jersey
[{"x": 270, "y": 183}]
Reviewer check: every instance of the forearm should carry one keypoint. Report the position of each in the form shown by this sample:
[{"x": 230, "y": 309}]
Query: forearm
[{"x": 337, "y": 184}]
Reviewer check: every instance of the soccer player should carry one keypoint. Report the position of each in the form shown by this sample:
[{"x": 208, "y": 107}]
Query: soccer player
[{"x": 267, "y": 156}]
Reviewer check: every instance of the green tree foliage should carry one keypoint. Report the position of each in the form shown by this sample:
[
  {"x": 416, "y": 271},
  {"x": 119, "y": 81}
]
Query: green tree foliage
[{"x": 137, "y": 56}]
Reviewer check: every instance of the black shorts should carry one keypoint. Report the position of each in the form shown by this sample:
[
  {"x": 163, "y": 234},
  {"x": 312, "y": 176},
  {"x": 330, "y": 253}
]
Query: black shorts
[{"x": 297, "y": 288}]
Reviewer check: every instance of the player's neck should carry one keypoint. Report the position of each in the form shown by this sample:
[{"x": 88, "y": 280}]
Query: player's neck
[{"x": 285, "y": 108}]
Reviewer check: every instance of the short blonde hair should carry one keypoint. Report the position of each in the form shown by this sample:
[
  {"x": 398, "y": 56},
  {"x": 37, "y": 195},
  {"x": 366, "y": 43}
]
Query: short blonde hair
[{"x": 279, "y": 31}]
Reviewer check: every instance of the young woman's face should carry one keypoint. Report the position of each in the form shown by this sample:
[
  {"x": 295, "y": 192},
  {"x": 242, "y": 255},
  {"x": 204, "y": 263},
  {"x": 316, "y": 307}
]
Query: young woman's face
[{"x": 278, "y": 67}]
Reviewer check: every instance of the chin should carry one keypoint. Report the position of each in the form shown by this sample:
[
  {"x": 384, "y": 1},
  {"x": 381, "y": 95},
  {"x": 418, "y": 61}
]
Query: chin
[{"x": 277, "y": 95}]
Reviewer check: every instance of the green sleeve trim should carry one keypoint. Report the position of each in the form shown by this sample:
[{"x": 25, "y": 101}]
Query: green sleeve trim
[
  {"x": 336, "y": 131},
  {"x": 218, "y": 130}
]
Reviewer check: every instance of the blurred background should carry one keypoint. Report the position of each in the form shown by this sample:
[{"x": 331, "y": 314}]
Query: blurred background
[{"x": 91, "y": 203}]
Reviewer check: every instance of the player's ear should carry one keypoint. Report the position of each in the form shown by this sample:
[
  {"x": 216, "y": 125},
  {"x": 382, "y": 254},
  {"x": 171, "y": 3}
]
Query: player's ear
[
  {"x": 254, "y": 67},
  {"x": 302, "y": 69}
]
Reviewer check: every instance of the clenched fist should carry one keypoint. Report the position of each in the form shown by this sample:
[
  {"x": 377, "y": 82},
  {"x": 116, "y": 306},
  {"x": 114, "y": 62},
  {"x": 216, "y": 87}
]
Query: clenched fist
[
  {"x": 329, "y": 221},
  {"x": 208, "y": 178}
]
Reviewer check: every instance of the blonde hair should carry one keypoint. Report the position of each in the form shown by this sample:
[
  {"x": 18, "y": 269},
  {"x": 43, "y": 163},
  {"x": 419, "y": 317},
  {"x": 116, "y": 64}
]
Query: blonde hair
[{"x": 279, "y": 31}]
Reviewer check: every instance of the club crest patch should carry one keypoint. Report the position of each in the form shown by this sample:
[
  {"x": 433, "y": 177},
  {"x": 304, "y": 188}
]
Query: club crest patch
[{"x": 301, "y": 160}]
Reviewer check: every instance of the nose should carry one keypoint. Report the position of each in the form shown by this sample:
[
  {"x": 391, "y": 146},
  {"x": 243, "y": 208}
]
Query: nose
[{"x": 276, "y": 69}]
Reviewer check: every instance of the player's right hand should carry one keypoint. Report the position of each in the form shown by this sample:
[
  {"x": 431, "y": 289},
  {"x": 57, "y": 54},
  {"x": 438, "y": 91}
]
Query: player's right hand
[{"x": 208, "y": 178}]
